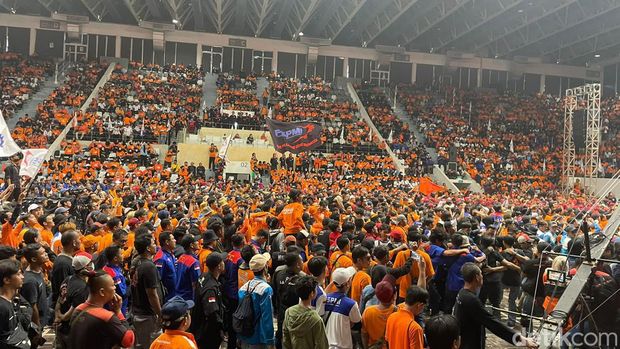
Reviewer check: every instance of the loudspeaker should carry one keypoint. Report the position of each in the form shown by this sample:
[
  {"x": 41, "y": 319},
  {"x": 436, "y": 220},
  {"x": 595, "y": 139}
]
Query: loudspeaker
[{"x": 452, "y": 154}]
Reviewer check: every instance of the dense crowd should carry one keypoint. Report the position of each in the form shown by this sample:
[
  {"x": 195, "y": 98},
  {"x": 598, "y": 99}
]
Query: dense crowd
[
  {"x": 396, "y": 133},
  {"x": 20, "y": 79},
  {"x": 376, "y": 257},
  {"x": 145, "y": 103},
  {"x": 55, "y": 112},
  {"x": 505, "y": 141}
]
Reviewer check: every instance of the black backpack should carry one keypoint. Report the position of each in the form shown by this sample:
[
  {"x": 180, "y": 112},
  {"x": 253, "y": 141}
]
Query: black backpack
[
  {"x": 244, "y": 320},
  {"x": 287, "y": 293}
]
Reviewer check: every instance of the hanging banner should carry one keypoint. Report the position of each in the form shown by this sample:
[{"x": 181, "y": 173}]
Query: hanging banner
[
  {"x": 295, "y": 137},
  {"x": 32, "y": 161}
]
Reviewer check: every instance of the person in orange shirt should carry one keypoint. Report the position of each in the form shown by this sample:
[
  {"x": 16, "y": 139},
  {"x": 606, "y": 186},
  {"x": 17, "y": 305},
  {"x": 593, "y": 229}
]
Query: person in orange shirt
[
  {"x": 176, "y": 319},
  {"x": 9, "y": 235},
  {"x": 291, "y": 216},
  {"x": 47, "y": 222},
  {"x": 416, "y": 273},
  {"x": 245, "y": 274},
  {"x": 361, "y": 279},
  {"x": 341, "y": 258},
  {"x": 374, "y": 318},
  {"x": 401, "y": 330}
]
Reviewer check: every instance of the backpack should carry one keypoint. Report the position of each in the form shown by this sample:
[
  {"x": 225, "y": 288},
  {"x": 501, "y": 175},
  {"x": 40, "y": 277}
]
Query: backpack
[
  {"x": 287, "y": 292},
  {"x": 244, "y": 320}
]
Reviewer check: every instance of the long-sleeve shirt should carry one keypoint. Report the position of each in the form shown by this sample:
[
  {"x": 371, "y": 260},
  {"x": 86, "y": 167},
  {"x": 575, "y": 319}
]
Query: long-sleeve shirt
[
  {"x": 291, "y": 218},
  {"x": 261, "y": 297},
  {"x": 474, "y": 319},
  {"x": 166, "y": 267}
]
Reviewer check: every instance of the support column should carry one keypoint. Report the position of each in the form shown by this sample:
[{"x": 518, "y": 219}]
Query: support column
[
  {"x": 117, "y": 48},
  {"x": 198, "y": 55},
  {"x": 414, "y": 72},
  {"x": 33, "y": 40},
  {"x": 479, "y": 78},
  {"x": 543, "y": 79},
  {"x": 345, "y": 67},
  {"x": 274, "y": 62}
]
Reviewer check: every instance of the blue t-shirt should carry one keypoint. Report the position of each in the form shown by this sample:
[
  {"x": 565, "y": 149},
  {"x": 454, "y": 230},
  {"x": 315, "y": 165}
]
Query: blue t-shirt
[{"x": 455, "y": 278}]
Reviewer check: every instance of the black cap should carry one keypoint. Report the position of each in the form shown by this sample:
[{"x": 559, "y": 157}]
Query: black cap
[
  {"x": 209, "y": 236},
  {"x": 175, "y": 308}
]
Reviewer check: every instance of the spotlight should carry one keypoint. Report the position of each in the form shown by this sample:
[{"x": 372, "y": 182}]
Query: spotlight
[
  {"x": 301, "y": 34},
  {"x": 175, "y": 21},
  {"x": 597, "y": 56}
]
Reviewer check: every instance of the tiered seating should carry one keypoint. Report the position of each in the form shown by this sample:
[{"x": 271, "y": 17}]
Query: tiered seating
[
  {"x": 394, "y": 131},
  {"x": 19, "y": 79},
  {"x": 533, "y": 124},
  {"x": 237, "y": 104},
  {"x": 58, "y": 108},
  {"x": 146, "y": 103}
]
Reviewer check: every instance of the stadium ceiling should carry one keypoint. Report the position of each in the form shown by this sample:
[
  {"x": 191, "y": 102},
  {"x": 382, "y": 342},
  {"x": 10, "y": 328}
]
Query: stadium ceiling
[{"x": 563, "y": 31}]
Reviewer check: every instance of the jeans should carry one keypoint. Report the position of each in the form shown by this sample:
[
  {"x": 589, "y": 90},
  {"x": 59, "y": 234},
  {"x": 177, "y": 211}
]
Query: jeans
[
  {"x": 514, "y": 292},
  {"x": 494, "y": 293},
  {"x": 146, "y": 330}
]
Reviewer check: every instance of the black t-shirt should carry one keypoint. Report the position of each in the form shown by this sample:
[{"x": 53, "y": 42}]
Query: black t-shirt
[
  {"x": 62, "y": 268},
  {"x": 511, "y": 277},
  {"x": 494, "y": 259},
  {"x": 97, "y": 328},
  {"x": 34, "y": 291},
  {"x": 77, "y": 293},
  {"x": 474, "y": 319},
  {"x": 144, "y": 276},
  {"x": 7, "y": 311}
]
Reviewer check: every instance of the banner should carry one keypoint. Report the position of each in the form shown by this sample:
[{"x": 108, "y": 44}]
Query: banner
[
  {"x": 224, "y": 148},
  {"x": 295, "y": 137},
  {"x": 427, "y": 187},
  {"x": 32, "y": 161},
  {"x": 8, "y": 146}
]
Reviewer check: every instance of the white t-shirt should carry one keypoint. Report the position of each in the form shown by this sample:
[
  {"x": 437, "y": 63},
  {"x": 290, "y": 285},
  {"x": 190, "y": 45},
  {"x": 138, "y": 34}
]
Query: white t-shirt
[{"x": 344, "y": 312}]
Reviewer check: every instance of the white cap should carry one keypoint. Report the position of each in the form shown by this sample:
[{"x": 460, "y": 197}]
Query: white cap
[
  {"x": 33, "y": 207},
  {"x": 341, "y": 276}
]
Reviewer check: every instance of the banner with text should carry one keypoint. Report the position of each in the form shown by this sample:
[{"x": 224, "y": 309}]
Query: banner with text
[{"x": 295, "y": 137}]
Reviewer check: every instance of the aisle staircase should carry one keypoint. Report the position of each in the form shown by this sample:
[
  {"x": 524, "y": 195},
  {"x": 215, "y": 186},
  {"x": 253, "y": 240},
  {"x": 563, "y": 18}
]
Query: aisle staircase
[
  {"x": 261, "y": 84},
  {"x": 209, "y": 90},
  {"x": 30, "y": 107},
  {"x": 438, "y": 174}
]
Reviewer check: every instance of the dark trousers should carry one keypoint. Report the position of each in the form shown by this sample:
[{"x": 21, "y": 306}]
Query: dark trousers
[
  {"x": 436, "y": 290},
  {"x": 449, "y": 300},
  {"x": 211, "y": 338},
  {"x": 231, "y": 306},
  {"x": 211, "y": 163},
  {"x": 494, "y": 292}
]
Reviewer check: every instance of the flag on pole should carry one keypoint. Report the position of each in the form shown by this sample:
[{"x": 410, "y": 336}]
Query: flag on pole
[
  {"x": 342, "y": 135},
  {"x": 224, "y": 148},
  {"x": 512, "y": 146},
  {"x": 370, "y": 135},
  {"x": 427, "y": 186},
  {"x": 32, "y": 161},
  {"x": 8, "y": 146},
  {"x": 390, "y": 139}
]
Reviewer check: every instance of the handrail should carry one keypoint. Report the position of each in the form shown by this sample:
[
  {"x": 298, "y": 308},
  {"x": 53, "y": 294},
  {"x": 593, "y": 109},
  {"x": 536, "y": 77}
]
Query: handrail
[
  {"x": 61, "y": 137},
  {"x": 366, "y": 117}
]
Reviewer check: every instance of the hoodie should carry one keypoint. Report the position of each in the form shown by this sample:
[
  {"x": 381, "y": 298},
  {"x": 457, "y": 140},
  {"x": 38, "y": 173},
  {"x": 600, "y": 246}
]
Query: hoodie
[{"x": 303, "y": 329}]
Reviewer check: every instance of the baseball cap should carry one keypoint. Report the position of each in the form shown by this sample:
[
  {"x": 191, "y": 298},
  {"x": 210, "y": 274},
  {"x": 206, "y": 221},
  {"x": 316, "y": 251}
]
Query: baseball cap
[
  {"x": 259, "y": 261},
  {"x": 89, "y": 241},
  {"x": 385, "y": 290},
  {"x": 214, "y": 259},
  {"x": 33, "y": 207},
  {"x": 290, "y": 240},
  {"x": 61, "y": 210},
  {"x": 80, "y": 262},
  {"x": 133, "y": 222},
  {"x": 214, "y": 221},
  {"x": 341, "y": 276},
  {"x": 175, "y": 308},
  {"x": 396, "y": 235},
  {"x": 302, "y": 234}
]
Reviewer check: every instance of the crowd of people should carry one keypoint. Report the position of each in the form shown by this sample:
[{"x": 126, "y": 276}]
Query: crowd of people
[
  {"x": 112, "y": 247},
  {"x": 317, "y": 258},
  {"x": 145, "y": 103},
  {"x": 505, "y": 141},
  {"x": 20, "y": 78},
  {"x": 396, "y": 133},
  {"x": 55, "y": 112}
]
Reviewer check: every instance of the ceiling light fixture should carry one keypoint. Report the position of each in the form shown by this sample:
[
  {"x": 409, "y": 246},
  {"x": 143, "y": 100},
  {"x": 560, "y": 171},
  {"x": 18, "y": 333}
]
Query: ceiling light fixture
[
  {"x": 597, "y": 56},
  {"x": 301, "y": 34},
  {"x": 175, "y": 21}
]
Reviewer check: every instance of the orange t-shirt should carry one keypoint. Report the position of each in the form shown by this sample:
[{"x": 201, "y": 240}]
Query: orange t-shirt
[
  {"x": 291, "y": 218},
  {"x": 374, "y": 321},
  {"x": 9, "y": 235},
  {"x": 244, "y": 275},
  {"x": 174, "y": 339},
  {"x": 336, "y": 261},
  {"x": 406, "y": 280},
  {"x": 402, "y": 332},
  {"x": 360, "y": 280}
]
